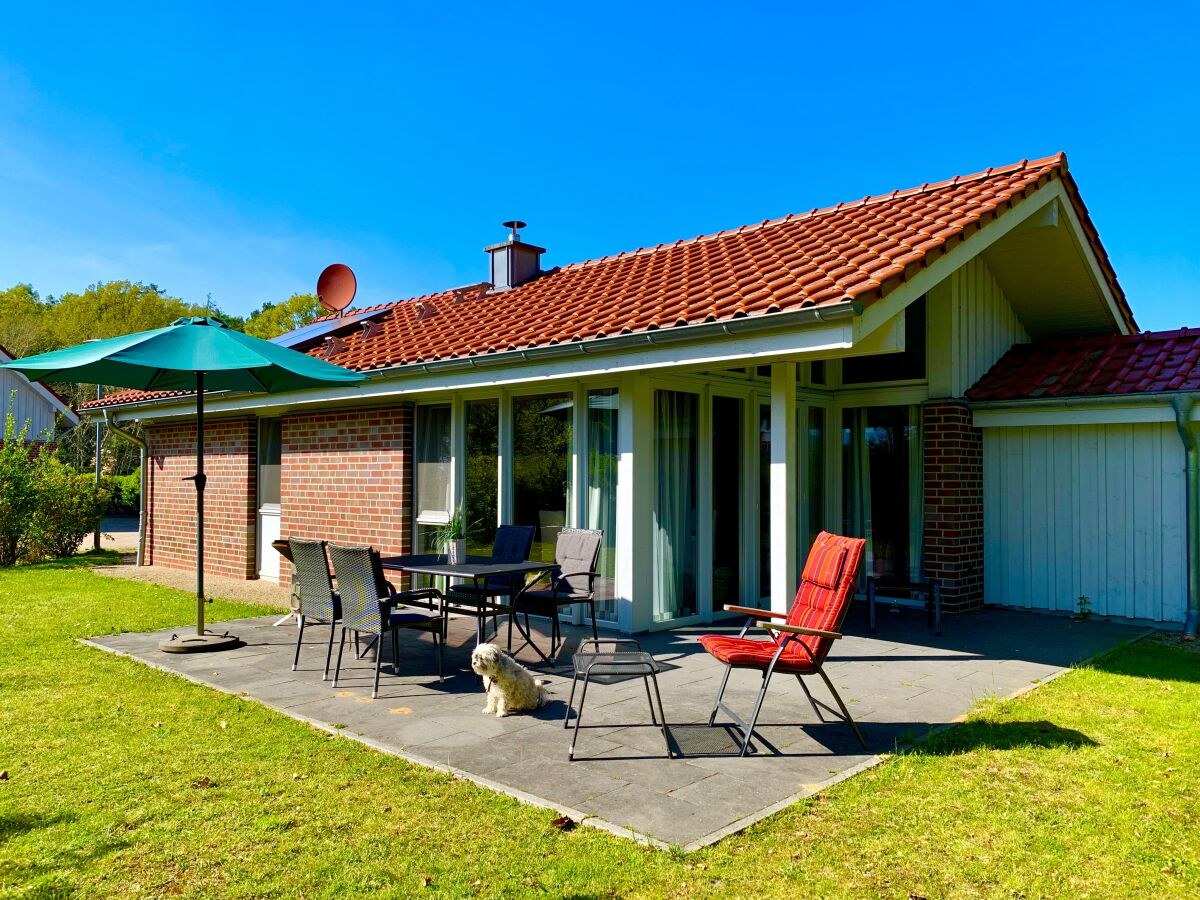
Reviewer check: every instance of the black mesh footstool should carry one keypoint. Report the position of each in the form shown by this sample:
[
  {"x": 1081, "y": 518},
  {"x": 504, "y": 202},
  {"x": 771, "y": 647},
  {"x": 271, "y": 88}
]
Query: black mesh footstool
[{"x": 626, "y": 659}]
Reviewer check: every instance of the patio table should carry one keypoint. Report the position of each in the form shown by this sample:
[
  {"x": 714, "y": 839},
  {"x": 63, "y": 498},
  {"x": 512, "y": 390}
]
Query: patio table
[{"x": 476, "y": 569}]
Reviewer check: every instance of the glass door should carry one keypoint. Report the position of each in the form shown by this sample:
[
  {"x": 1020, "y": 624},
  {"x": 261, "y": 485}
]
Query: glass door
[
  {"x": 269, "y": 509},
  {"x": 542, "y": 468},
  {"x": 433, "y": 485},
  {"x": 481, "y": 474},
  {"x": 673, "y": 532},
  {"x": 601, "y": 511},
  {"x": 881, "y": 487},
  {"x": 728, "y": 473}
]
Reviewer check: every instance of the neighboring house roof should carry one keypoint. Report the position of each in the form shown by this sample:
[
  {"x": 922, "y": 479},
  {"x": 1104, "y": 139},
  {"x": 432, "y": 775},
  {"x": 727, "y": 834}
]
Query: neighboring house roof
[
  {"x": 853, "y": 251},
  {"x": 1151, "y": 362},
  {"x": 50, "y": 396}
]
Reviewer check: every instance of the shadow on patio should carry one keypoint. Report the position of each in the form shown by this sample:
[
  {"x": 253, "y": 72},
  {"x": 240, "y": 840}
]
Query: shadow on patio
[{"x": 899, "y": 683}]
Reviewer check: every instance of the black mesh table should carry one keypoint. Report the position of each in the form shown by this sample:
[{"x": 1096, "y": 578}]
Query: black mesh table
[{"x": 626, "y": 659}]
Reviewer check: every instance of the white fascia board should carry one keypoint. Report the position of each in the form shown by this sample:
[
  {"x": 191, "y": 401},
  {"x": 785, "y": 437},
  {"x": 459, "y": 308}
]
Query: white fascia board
[
  {"x": 764, "y": 345},
  {"x": 890, "y": 306},
  {"x": 1079, "y": 412}
]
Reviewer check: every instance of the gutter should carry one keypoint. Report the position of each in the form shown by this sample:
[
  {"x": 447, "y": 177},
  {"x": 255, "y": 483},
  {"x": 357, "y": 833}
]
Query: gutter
[
  {"x": 813, "y": 315},
  {"x": 141, "y": 544},
  {"x": 1182, "y": 405}
]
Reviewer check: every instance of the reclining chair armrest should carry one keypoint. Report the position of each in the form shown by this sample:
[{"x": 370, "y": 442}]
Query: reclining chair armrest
[
  {"x": 755, "y": 613},
  {"x": 796, "y": 629}
]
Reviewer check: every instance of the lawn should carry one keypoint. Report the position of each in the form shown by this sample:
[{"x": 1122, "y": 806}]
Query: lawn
[{"x": 124, "y": 781}]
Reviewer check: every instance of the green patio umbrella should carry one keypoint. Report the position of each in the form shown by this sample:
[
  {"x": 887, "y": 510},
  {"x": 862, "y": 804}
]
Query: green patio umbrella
[{"x": 192, "y": 354}]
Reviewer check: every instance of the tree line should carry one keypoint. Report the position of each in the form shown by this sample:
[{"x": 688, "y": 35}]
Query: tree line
[{"x": 31, "y": 324}]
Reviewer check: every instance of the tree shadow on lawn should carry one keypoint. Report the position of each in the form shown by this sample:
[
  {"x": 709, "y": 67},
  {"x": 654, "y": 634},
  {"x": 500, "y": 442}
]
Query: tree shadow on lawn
[
  {"x": 1163, "y": 656},
  {"x": 44, "y": 875},
  {"x": 983, "y": 735}
]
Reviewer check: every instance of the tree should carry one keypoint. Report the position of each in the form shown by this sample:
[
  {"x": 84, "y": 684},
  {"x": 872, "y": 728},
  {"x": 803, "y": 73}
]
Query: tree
[
  {"x": 22, "y": 321},
  {"x": 274, "y": 319}
]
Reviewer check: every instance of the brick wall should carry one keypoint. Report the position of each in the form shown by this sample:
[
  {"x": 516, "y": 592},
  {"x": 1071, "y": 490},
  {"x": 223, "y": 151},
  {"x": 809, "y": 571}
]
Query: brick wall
[
  {"x": 346, "y": 477},
  {"x": 229, "y": 498},
  {"x": 954, "y": 503}
]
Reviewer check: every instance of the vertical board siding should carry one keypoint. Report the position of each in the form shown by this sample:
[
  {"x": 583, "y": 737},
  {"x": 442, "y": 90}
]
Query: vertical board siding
[
  {"x": 26, "y": 406},
  {"x": 984, "y": 325},
  {"x": 1086, "y": 509}
]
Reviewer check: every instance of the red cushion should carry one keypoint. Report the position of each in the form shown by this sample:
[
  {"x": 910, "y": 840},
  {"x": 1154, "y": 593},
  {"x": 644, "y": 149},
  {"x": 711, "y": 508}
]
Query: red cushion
[{"x": 746, "y": 653}]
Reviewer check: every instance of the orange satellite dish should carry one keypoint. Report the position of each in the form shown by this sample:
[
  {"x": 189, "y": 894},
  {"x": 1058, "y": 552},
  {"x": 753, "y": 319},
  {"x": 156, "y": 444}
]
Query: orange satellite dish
[{"x": 336, "y": 287}]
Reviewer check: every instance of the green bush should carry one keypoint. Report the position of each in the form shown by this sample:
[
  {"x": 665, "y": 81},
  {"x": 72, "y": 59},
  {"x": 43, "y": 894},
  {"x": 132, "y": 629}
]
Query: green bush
[
  {"x": 18, "y": 489},
  {"x": 126, "y": 491},
  {"x": 46, "y": 507},
  {"x": 69, "y": 507}
]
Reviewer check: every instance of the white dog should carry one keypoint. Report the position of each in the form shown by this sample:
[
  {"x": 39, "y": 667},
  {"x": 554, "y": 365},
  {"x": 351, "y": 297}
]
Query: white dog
[{"x": 510, "y": 688}]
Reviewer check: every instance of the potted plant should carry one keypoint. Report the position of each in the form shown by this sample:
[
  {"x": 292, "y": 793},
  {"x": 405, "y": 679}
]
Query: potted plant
[{"x": 451, "y": 538}]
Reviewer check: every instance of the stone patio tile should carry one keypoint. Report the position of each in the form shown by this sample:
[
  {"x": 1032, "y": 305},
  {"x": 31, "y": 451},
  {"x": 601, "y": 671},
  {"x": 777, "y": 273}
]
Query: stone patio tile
[
  {"x": 669, "y": 819},
  {"x": 571, "y": 784},
  {"x": 734, "y": 793}
]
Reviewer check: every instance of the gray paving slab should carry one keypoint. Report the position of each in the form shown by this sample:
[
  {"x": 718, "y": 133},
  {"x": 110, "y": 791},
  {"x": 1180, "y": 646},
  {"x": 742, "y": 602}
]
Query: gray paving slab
[{"x": 900, "y": 683}]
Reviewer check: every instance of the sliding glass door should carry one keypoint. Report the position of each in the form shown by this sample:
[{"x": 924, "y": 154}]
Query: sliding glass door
[
  {"x": 482, "y": 474},
  {"x": 881, "y": 487},
  {"x": 728, "y": 474},
  {"x": 673, "y": 529},
  {"x": 601, "y": 507},
  {"x": 542, "y": 467}
]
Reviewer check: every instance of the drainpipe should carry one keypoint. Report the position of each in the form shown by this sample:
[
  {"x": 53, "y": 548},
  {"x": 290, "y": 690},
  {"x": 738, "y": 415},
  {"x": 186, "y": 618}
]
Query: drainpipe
[
  {"x": 1183, "y": 407},
  {"x": 116, "y": 429}
]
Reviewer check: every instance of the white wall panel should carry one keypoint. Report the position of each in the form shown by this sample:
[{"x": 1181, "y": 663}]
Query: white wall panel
[
  {"x": 27, "y": 405},
  {"x": 1086, "y": 509}
]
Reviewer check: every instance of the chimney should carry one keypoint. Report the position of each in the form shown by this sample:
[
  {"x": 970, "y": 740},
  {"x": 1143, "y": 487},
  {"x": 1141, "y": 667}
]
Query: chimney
[{"x": 513, "y": 262}]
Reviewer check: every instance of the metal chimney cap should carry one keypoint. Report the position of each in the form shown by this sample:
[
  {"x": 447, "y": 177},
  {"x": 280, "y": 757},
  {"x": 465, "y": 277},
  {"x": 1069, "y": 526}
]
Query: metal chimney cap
[{"x": 514, "y": 225}]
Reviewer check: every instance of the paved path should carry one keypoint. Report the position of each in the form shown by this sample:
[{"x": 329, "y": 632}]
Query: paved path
[
  {"x": 217, "y": 587},
  {"x": 116, "y": 533},
  {"x": 899, "y": 684}
]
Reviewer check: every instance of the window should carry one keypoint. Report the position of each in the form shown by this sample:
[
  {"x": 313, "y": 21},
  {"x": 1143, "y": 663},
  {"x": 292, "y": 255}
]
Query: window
[
  {"x": 905, "y": 366},
  {"x": 728, "y": 429},
  {"x": 433, "y": 484},
  {"x": 673, "y": 532},
  {"x": 601, "y": 513},
  {"x": 482, "y": 473},
  {"x": 542, "y": 467},
  {"x": 269, "y": 457}
]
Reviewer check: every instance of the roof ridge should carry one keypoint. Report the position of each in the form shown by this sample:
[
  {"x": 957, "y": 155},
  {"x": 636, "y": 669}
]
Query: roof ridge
[{"x": 1058, "y": 160}]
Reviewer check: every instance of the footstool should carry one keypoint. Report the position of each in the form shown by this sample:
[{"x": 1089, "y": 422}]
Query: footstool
[{"x": 626, "y": 658}]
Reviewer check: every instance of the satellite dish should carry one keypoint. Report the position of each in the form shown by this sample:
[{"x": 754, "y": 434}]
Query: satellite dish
[{"x": 336, "y": 287}]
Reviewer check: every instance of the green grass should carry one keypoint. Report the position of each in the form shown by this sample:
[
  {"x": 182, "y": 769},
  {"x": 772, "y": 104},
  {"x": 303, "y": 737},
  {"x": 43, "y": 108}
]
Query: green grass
[{"x": 124, "y": 782}]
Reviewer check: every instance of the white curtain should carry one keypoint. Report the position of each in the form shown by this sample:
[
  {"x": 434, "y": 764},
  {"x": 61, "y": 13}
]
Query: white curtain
[
  {"x": 674, "y": 527},
  {"x": 858, "y": 475},
  {"x": 602, "y": 489},
  {"x": 432, "y": 441}
]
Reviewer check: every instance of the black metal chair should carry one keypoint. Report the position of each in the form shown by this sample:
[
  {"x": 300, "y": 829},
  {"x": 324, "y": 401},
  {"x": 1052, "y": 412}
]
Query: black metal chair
[
  {"x": 369, "y": 607},
  {"x": 572, "y": 581},
  {"x": 318, "y": 600},
  {"x": 511, "y": 544}
]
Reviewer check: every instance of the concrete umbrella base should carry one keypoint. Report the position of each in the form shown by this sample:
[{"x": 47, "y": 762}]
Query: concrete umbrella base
[{"x": 209, "y": 642}]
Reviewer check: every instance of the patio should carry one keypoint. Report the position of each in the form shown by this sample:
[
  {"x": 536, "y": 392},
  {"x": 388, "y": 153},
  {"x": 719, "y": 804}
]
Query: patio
[{"x": 899, "y": 683}]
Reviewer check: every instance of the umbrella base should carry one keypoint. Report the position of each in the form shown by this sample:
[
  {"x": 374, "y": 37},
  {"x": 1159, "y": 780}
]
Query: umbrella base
[{"x": 209, "y": 642}]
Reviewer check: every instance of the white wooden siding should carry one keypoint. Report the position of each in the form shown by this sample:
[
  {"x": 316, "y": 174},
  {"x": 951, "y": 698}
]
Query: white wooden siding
[
  {"x": 971, "y": 325},
  {"x": 1086, "y": 509},
  {"x": 28, "y": 404}
]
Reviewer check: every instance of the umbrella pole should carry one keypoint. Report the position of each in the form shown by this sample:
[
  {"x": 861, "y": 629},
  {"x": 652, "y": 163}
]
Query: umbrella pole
[
  {"x": 200, "y": 479},
  {"x": 201, "y": 642}
]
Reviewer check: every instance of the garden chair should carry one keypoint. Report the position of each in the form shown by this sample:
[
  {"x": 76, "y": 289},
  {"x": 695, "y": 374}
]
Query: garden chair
[
  {"x": 573, "y": 580},
  {"x": 797, "y": 646},
  {"x": 370, "y": 608},
  {"x": 511, "y": 544},
  {"x": 318, "y": 601}
]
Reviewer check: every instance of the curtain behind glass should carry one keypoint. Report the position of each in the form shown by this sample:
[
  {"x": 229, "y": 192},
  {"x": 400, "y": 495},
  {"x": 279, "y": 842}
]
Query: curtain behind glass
[
  {"x": 602, "y": 492},
  {"x": 856, "y": 483},
  {"x": 674, "y": 551},
  {"x": 433, "y": 463}
]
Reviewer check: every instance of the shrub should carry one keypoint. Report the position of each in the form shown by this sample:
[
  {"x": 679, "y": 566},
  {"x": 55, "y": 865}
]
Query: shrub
[
  {"x": 126, "y": 491},
  {"x": 69, "y": 507},
  {"x": 18, "y": 489}
]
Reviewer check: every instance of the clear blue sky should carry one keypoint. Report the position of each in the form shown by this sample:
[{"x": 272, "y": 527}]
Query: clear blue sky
[{"x": 235, "y": 149}]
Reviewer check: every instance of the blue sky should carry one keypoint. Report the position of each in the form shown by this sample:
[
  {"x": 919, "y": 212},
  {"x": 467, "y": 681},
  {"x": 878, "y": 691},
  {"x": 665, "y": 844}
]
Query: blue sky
[{"x": 235, "y": 149}]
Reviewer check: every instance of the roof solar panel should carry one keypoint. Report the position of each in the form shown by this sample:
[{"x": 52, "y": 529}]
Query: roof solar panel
[{"x": 325, "y": 327}]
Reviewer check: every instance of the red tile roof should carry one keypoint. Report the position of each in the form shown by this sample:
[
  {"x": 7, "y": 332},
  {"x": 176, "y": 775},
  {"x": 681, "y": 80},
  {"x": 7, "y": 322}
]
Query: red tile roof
[
  {"x": 1153, "y": 362},
  {"x": 852, "y": 251}
]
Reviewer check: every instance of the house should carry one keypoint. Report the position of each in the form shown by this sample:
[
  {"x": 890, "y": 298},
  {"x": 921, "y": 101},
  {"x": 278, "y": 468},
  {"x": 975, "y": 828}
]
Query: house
[
  {"x": 878, "y": 368},
  {"x": 31, "y": 402}
]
